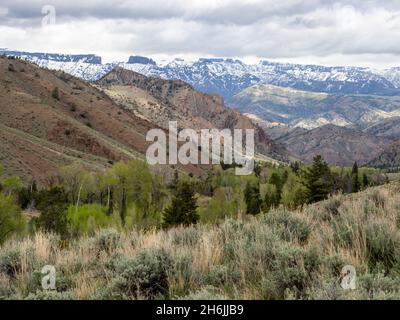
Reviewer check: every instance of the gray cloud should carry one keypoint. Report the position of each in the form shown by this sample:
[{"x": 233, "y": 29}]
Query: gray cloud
[{"x": 348, "y": 30}]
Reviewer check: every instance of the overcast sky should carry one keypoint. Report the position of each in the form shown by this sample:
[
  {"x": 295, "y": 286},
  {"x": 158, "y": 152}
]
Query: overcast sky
[{"x": 346, "y": 32}]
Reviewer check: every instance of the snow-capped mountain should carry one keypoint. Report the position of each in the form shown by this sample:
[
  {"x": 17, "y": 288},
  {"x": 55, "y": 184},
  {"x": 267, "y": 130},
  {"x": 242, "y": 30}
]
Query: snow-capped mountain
[
  {"x": 228, "y": 77},
  {"x": 38, "y": 56}
]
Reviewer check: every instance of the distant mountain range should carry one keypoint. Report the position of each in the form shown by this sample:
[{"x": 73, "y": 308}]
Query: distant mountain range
[
  {"x": 227, "y": 77},
  {"x": 346, "y": 114}
]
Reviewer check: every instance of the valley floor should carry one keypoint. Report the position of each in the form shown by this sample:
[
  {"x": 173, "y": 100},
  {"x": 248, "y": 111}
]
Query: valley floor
[{"x": 281, "y": 255}]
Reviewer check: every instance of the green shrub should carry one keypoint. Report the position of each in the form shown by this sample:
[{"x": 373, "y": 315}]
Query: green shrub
[
  {"x": 345, "y": 231},
  {"x": 332, "y": 206},
  {"x": 370, "y": 208},
  {"x": 383, "y": 246},
  {"x": 107, "y": 240},
  {"x": 230, "y": 229},
  {"x": 187, "y": 236},
  {"x": 294, "y": 270},
  {"x": 88, "y": 218},
  {"x": 206, "y": 293},
  {"x": 11, "y": 221},
  {"x": 50, "y": 295},
  {"x": 218, "y": 276},
  {"x": 10, "y": 263},
  {"x": 326, "y": 289},
  {"x": 290, "y": 226},
  {"x": 378, "y": 284},
  {"x": 312, "y": 259},
  {"x": 377, "y": 198},
  {"x": 268, "y": 288},
  {"x": 146, "y": 276},
  {"x": 229, "y": 251},
  {"x": 335, "y": 264},
  {"x": 6, "y": 289},
  {"x": 183, "y": 269}
]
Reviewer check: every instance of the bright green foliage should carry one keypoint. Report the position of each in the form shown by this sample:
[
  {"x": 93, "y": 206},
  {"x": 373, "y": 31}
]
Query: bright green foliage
[
  {"x": 11, "y": 220},
  {"x": 183, "y": 209},
  {"x": 135, "y": 184},
  {"x": 277, "y": 181},
  {"x": 107, "y": 185},
  {"x": 12, "y": 185},
  {"x": 88, "y": 218},
  {"x": 121, "y": 171},
  {"x": 270, "y": 197},
  {"x": 253, "y": 198},
  {"x": 77, "y": 182},
  {"x": 141, "y": 188},
  {"x": 318, "y": 180},
  {"x": 224, "y": 203},
  {"x": 294, "y": 194}
]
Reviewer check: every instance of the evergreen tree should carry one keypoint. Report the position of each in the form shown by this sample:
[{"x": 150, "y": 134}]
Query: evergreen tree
[
  {"x": 365, "y": 180},
  {"x": 318, "y": 180},
  {"x": 53, "y": 211},
  {"x": 355, "y": 180},
  {"x": 295, "y": 166},
  {"x": 183, "y": 209},
  {"x": 253, "y": 198},
  {"x": 277, "y": 181}
]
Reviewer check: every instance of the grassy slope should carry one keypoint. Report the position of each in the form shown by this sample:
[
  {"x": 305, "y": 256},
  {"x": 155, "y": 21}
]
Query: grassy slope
[
  {"x": 280, "y": 255},
  {"x": 40, "y": 133}
]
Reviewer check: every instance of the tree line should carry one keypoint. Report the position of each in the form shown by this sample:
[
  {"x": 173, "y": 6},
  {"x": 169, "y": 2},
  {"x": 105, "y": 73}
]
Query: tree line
[{"x": 131, "y": 194}]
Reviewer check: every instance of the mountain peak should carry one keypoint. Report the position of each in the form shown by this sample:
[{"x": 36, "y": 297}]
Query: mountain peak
[
  {"x": 227, "y": 77},
  {"x": 56, "y": 57},
  {"x": 141, "y": 60}
]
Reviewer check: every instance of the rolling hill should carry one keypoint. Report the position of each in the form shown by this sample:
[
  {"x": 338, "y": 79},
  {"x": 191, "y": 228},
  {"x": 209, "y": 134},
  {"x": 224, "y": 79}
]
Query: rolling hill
[
  {"x": 49, "y": 119},
  {"x": 385, "y": 128},
  {"x": 389, "y": 159},
  {"x": 311, "y": 110},
  {"x": 338, "y": 145}
]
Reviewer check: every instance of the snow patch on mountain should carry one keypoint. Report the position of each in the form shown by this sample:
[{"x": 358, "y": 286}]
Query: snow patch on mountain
[
  {"x": 227, "y": 77},
  {"x": 320, "y": 121}
]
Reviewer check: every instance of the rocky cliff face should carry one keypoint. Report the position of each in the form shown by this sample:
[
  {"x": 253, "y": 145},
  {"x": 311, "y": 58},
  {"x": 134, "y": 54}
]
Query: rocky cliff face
[{"x": 160, "y": 101}]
